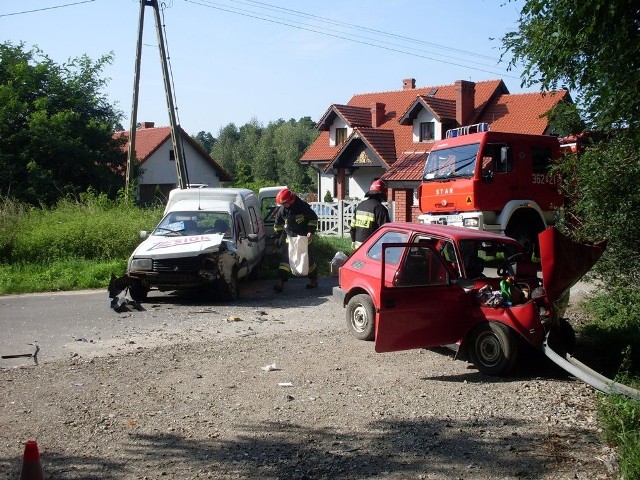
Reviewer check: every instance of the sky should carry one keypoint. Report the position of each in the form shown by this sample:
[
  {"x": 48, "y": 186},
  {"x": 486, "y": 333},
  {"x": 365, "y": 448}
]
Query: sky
[{"x": 236, "y": 61}]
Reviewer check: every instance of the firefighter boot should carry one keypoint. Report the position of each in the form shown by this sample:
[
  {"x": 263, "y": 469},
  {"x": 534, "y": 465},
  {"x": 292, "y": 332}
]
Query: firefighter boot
[
  {"x": 279, "y": 286},
  {"x": 313, "y": 283}
]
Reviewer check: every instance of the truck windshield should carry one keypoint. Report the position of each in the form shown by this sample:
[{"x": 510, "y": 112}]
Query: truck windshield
[{"x": 451, "y": 162}]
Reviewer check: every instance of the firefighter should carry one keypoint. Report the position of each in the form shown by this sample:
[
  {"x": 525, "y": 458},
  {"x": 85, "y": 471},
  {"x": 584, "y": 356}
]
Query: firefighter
[
  {"x": 294, "y": 218},
  {"x": 370, "y": 214}
]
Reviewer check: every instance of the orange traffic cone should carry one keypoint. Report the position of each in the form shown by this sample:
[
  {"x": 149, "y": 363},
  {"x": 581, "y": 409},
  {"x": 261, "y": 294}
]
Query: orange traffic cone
[{"x": 31, "y": 468}]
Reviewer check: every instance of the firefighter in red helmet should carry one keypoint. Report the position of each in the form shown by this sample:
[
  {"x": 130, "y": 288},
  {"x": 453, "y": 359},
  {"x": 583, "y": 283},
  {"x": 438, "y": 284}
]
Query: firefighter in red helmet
[
  {"x": 294, "y": 218},
  {"x": 370, "y": 214}
]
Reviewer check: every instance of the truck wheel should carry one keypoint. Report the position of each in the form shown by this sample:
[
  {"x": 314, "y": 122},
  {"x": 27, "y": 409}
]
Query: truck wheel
[
  {"x": 138, "y": 291},
  {"x": 231, "y": 289},
  {"x": 361, "y": 317},
  {"x": 493, "y": 348}
]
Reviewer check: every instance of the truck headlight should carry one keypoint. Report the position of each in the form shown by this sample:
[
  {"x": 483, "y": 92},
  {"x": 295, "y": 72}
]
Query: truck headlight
[
  {"x": 471, "y": 222},
  {"x": 141, "y": 264}
]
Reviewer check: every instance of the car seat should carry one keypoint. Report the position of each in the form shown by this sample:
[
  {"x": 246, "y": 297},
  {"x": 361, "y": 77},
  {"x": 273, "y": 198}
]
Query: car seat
[{"x": 221, "y": 226}]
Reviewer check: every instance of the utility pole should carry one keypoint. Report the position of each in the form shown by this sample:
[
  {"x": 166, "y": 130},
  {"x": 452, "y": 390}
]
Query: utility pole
[{"x": 181, "y": 168}]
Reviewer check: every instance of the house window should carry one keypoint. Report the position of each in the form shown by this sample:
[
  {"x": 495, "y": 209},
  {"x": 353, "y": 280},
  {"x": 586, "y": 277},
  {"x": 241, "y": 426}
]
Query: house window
[
  {"x": 427, "y": 131},
  {"x": 172, "y": 156},
  {"x": 341, "y": 135}
]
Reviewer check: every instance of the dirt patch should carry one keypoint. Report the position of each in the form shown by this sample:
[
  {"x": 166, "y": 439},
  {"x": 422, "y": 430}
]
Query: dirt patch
[{"x": 274, "y": 387}]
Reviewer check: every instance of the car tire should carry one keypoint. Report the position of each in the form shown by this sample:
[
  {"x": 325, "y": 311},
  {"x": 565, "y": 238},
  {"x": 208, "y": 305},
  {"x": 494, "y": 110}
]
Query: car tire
[
  {"x": 138, "y": 291},
  {"x": 361, "y": 317},
  {"x": 493, "y": 348}
]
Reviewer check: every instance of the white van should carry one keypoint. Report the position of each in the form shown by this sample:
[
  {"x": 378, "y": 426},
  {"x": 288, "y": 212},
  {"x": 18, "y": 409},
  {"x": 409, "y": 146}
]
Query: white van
[
  {"x": 209, "y": 238},
  {"x": 269, "y": 209}
]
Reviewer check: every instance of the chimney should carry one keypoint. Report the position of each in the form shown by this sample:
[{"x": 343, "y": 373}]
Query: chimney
[
  {"x": 147, "y": 125},
  {"x": 465, "y": 101},
  {"x": 377, "y": 114},
  {"x": 409, "y": 84}
]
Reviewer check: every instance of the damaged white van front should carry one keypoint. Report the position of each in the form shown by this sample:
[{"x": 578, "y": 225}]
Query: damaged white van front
[{"x": 209, "y": 238}]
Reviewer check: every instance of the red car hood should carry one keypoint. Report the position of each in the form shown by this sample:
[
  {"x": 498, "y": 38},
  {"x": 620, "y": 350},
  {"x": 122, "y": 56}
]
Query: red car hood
[{"x": 564, "y": 261}]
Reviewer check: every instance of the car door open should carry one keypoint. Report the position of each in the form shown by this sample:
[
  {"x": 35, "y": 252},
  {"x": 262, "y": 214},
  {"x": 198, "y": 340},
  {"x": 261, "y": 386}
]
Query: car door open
[{"x": 424, "y": 306}]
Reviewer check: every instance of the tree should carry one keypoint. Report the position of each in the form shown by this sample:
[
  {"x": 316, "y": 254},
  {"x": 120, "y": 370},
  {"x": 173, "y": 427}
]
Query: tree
[
  {"x": 592, "y": 46},
  {"x": 225, "y": 147},
  {"x": 56, "y": 127},
  {"x": 589, "y": 46},
  {"x": 205, "y": 140}
]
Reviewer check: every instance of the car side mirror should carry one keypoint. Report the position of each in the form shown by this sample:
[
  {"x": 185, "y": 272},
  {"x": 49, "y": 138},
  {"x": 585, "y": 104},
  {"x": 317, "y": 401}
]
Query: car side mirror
[{"x": 143, "y": 234}]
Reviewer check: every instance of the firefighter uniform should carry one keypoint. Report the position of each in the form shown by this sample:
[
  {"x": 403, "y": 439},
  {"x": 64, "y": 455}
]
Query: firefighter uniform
[
  {"x": 370, "y": 214},
  {"x": 296, "y": 220}
]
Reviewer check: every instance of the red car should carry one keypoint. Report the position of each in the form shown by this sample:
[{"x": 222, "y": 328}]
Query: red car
[{"x": 424, "y": 285}]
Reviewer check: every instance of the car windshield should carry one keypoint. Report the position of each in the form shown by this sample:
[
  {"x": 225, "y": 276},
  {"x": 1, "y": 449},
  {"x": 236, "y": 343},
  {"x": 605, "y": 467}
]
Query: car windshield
[
  {"x": 195, "y": 223},
  {"x": 451, "y": 162},
  {"x": 478, "y": 255}
]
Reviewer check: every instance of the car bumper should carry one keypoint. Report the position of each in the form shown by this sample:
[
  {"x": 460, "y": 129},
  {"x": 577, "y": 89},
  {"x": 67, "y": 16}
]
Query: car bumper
[{"x": 338, "y": 295}]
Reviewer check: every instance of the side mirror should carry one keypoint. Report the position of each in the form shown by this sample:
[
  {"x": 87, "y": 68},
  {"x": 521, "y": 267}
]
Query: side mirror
[{"x": 143, "y": 234}]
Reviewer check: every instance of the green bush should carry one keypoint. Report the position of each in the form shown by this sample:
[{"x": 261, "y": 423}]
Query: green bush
[{"x": 92, "y": 229}]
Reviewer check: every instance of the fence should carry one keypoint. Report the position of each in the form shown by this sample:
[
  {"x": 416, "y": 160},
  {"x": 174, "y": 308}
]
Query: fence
[{"x": 335, "y": 218}]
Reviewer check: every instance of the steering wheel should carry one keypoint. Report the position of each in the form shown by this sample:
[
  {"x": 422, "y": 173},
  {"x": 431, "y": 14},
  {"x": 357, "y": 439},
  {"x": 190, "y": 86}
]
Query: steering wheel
[{"x": 505, "y": 269}]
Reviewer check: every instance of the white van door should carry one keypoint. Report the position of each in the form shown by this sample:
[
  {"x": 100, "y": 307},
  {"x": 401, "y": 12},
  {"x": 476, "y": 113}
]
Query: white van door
[{"x": 269, "y": 209}]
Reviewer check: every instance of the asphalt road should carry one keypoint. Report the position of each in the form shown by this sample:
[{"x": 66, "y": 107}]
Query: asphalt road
[{"x": 83, "y": 322}]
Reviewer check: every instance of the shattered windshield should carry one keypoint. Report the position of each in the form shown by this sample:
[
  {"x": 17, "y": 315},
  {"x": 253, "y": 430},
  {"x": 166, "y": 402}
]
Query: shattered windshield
[
  {"x": 195, "y": 223},
  {"x": 451, "y": 162}
]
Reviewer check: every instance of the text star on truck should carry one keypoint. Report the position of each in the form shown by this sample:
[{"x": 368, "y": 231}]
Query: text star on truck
[{"x": 494, "y": 181}]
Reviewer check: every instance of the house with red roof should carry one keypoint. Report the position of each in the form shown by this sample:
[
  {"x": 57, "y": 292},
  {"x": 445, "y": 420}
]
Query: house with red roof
[
  {"x": 155, "y": 156},
  {"x": 389, "y": 135}
]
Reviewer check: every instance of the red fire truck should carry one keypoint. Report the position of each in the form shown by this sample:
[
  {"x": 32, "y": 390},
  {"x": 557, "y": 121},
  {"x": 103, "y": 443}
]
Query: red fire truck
[{"x": 495, "y": 181}]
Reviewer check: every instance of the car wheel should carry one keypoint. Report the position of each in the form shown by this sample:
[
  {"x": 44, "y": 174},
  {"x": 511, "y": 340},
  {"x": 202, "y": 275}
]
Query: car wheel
[
  {"x": 138, "y": 291},
  {"x": 493, "y": 348},
  {"x": 361, "y": 317},
  {"x": 231, "y": 288}
]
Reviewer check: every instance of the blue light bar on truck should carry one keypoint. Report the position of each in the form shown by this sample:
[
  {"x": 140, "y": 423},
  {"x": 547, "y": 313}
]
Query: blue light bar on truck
[{"x": 467, "y": 129}]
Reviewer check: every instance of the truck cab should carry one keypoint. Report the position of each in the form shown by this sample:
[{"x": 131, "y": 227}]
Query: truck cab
[{"x": 494, "y": 181}]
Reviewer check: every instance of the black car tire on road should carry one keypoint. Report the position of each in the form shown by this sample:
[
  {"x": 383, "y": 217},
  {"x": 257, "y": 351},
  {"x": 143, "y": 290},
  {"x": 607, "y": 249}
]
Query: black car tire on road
[
  {"x": 361, "y": 317},
  {"x": 493, "y": 348}
]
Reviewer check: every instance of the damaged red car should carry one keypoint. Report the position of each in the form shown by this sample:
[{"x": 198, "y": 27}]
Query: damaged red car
[{"x": 419, "y": 286}]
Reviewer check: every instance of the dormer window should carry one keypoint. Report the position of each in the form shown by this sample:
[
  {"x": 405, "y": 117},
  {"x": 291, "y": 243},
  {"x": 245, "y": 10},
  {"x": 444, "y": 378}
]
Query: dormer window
[
  {"x": 427, "y": 131},
  {"x": 341, "y": 135}
]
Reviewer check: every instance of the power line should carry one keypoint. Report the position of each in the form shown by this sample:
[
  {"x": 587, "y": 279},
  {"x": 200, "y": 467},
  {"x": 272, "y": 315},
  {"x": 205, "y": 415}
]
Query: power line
[
  {"x": 45, "y": 8},
  {"x": 358, "y": 27},
  {"x": 365, "y": 41}
]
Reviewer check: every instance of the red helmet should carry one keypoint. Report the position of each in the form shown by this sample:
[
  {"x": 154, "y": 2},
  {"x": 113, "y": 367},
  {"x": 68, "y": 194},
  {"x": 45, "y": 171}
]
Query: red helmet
[
  {"x": 285, "y": 196},
  {"x": 378, "y": 186}
]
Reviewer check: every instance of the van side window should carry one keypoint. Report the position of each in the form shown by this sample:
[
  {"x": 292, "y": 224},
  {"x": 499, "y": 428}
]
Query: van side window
[
  {"x": 254, "y": 220},
  {"x": 242, "y": 231}
]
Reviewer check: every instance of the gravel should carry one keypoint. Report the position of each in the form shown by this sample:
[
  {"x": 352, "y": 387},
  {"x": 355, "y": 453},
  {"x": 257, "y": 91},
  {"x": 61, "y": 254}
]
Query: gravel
[{"x": 274, "y": 387}]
